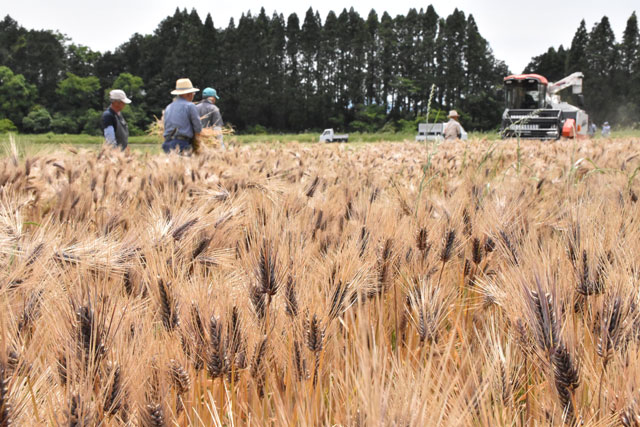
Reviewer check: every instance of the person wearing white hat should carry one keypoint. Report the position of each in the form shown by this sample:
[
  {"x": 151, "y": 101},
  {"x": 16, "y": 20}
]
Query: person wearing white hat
[
  {"x": 181, "y": 120},
  {"x": 453, "y": 129},
  {"x": 114, "y": 126}
]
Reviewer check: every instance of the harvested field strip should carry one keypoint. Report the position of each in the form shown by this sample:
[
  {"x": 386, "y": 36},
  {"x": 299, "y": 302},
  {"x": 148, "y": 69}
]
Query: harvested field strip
[{"x": 478, "y": 283}]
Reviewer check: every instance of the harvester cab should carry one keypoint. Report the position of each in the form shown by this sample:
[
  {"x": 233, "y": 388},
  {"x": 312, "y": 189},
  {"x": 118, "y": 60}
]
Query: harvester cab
[{"x": 534, "y": 109}]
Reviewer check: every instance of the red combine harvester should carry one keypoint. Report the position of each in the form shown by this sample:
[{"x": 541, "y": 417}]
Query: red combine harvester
[{"x": 534, "y": 109}]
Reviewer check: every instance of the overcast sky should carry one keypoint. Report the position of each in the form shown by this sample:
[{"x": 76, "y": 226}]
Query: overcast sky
[{"x": 516, "y": 30}]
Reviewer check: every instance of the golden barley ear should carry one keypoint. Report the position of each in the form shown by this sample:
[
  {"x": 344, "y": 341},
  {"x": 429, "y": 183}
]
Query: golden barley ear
[
  {"x": 216, "y": 364},
  {"x": 312, "y": 188},
  {"x": 422, "y": 239},
  {"x": 168, "y": 306},
  {"x": 179, "y": 377},
  {"x": 546, "y": 325},
  {"x": 258, "y": 368},
  {"x": 385, "y": 267},
  {"x": 629, "y": 417},
  {"x": 510, "y": 247},
  {"x": 181, "y": 230},
  {"x": 5, "y": 405},
  {"x": 468, "y": 223},
  {"x": 114, "y": 394},
  {"x": 153, "y": 416},
  {"x": 89, "y": 336},
  {"x": 267, "y": 270},
  {"x": 337, "y": 300},
  {"x": 447, "y": 248},
  {"x": 29, "y": 314},
  {"x": 79, "y": 414},
  {"x": 291, "y": 300},
  {"x": 315, "y": 342},
  {"x": 476, "y": 251},
  {"x": 566, "y": 379},
  {"x": 611, "y": 331}
]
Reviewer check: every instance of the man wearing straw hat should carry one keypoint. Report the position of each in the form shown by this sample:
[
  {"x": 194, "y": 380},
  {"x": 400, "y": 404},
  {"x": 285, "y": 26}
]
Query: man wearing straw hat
[
  {"x": 181, "y": 120},
  {"x": 453, "y": 129},
  {"x": 114, "y": 127},
  {"x": 210, "y": 113}
]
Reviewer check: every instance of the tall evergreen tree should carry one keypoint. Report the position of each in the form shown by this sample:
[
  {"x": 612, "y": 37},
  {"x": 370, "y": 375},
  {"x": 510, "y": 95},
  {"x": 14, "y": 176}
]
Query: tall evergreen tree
[
  {"x": 630, "y": 46},
  {"x": 310, "y": 37},
  {"x": 551, "y": 64},
  {"x": 629, "y": 81},
  {"x": 602, "y": 61},
  {"x": 330, "y": 109},
  {"x": 577, "y": 57},
  {"x": 453, "y": 59},
  {"x": 388, "y": 51},
  {"x": 372, "y": 60},
  {"x": 294, "y": 112},
  {"x": 426, "y": 55}
]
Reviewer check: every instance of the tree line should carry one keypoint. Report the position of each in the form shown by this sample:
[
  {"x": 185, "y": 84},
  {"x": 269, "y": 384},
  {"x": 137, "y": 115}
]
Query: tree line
[
  {"x": 274, "y": 73},
  {"x": 282, "y": 74},
  {"x": 611, "y": 70}
]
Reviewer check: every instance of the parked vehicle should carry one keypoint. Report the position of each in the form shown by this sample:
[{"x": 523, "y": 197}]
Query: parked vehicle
[
  {"x": 430, "y": 131},
  {"x": 329, "y": 136},
  {"x": 534, "y": 109},
  {"x": 433, "y": 132}
]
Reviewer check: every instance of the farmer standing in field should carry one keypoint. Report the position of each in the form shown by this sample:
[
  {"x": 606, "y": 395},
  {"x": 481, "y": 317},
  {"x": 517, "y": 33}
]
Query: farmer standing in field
[
  {"x": 114, "y": 127},
  {"x": 453, "y": 129},
  {"x": 181, "y": 120},
  {"x": 210, "y": 113}
]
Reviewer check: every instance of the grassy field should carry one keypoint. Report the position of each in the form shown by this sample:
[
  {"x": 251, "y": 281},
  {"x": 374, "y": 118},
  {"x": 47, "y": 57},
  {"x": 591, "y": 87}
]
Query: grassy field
[
  {"x": 48, "y": 142},
  {"x": 485, "y": 283}
]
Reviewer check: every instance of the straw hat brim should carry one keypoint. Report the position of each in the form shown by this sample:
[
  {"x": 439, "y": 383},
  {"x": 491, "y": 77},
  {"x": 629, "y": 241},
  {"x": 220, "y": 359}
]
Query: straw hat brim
[{"x": 184, "y": 91}]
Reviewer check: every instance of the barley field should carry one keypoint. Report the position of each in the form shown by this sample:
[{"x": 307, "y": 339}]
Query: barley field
[{"x": 477, "y": 283}]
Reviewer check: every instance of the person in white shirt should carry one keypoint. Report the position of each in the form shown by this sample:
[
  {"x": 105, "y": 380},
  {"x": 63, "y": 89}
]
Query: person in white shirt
[{"x": 453, "y": 129}]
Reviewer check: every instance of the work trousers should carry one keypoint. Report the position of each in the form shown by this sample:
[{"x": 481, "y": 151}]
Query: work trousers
[{"x": 181, "y": 145}]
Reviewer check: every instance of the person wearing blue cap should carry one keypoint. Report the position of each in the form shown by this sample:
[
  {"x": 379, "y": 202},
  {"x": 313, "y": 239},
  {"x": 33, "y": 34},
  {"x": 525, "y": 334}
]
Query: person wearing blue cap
[{"x": 210, "y": 113}]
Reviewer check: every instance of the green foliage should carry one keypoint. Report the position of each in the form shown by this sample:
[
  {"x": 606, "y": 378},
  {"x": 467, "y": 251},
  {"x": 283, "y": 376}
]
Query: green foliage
[
  {"x": 77, "y": 94},
  {"x": 37, "y": 121},
  {"x": 408, "y": 126},
  {"x": 369, "y": 118},
  {"x": 7, "y": 125},
  {"x": 257, "y": 130},
  {"x": 87, "y": 122},
  {"x": 90, "y": 122},
  {"x": 551, "y": 64},
  {"x": 81, "y": 60},
  {"x": 64, "y": 124},
  {"x": 16, "y": 95}
]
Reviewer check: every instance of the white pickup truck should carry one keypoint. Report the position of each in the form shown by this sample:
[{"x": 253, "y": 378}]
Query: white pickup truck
[{"x": 329, "y": 136}]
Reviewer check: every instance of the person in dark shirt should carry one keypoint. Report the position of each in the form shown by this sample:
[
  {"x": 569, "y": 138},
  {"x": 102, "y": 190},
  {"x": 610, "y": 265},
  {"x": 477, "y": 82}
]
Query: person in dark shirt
[{"x": 114, "y": 126}]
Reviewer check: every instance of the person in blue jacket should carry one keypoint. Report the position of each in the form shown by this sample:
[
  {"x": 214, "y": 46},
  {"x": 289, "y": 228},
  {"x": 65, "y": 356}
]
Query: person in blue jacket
[{"x": 181, "y": 120}]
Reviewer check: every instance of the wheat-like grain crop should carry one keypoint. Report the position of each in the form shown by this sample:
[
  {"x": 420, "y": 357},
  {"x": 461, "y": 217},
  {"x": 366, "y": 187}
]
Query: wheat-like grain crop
[{"x": 462, "y": 283}]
